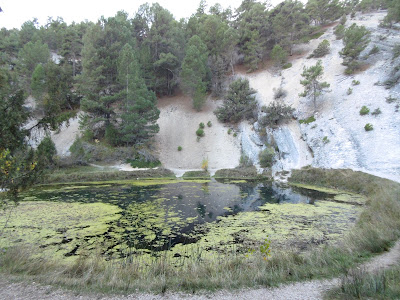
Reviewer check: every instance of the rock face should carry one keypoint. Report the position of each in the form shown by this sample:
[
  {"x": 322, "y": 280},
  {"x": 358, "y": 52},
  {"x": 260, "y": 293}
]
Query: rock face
[{"x": 337, "y": 138}]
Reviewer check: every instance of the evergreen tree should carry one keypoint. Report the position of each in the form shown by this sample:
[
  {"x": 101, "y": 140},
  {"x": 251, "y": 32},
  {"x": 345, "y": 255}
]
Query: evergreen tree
[
  {"x": 239, "y": 103},
  {"x": 278, "y": 55},
  {"x": 139, "y": 111},
  {"x": 313, "y": 86},
  {"x": 195, "y": 72},
  {"x": 322, "y": 11},
  {"x": 355, "y": 40},
  {"x": 38, "y": 82}
]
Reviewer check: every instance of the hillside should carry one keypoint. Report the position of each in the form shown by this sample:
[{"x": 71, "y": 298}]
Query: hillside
[{"x": 337, "y": 116}]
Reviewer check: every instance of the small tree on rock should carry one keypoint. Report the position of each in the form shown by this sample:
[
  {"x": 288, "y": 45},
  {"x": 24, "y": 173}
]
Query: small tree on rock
[{"x": 313, "y": 86}]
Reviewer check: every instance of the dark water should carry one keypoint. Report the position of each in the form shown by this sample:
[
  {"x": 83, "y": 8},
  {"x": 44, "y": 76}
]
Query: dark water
[{"x": 157, "y": 217}]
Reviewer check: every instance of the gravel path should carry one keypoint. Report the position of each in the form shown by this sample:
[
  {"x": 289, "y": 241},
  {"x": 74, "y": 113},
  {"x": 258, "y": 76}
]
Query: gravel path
[{"x": 297, "y": 291}]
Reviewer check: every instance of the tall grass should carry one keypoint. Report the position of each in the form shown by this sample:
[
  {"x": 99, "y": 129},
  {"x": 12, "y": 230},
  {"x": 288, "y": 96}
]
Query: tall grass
[{"x": 377, "y": 228}]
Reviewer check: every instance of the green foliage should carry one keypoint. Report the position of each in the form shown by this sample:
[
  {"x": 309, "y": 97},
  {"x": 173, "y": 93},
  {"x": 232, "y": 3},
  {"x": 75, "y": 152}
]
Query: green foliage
[
  {"x": 200, "y": 132},
  {"x": 140, "y": 113},
  {"x": 276, "y": 112},
  {"x": 355, "y": 82},
  {"x": 38, "y": 82},
  {"x": 264, "y": 249},
  {"x": 325, "y": 140},
  {"x": 266, "y": 157},
  {"x": 245, "y": 161},
  {"x": 287, "y": 66},
  {"x": 376, "y": 112},
  {"x": 143, "y": 163},
  {"x": 323, "y": 11},
  {"x": 355, "y": 40},
  {"x": 195, "y": 71},
  {"x": 364, "y": 111},
  {"x": 112, "y": 135},
  {"x": 339, "y": 31},
  {"x": 308, "y": 120},
  {"x": 374, "y": 50},
  {"x": 278, "y": 55},
  {"x": 229, "y": 130},
  {"x": 209, "y": 124},
  {"x": 239, "y": 103},
  {"x": 312, "y": 82},
  {"x": 180, "y": 148},
  {"x": 368, "y": 127},
  {"x": 322, "y": 49},
  {"x": 343, "y": 20},
  {"x": 349, "y": 91},
  {"x": 46, "y": 152},
  {"x": 393, "y": 14},
  {"x": 201, "y": 125}
]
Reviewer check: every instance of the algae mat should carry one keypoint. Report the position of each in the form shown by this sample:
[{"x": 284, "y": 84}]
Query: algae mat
[{"x": 179, "y": 218}]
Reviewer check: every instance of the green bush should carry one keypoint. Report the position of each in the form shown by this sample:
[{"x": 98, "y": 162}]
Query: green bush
[
  {"x": 322, "y": 49},
  {"x": 279, "y": 93},
  {"x": 355, "y": 82},
  {"x": 200, "y": 132},
  {"x": 179, "y": 148},
  {"x": 279, "y": 55},
  {"x": 368, "y": 127},
  {"x": 391, "y": 99},
  {"x": 349, "y": 91},
  {"x": 339, "y": 31},
  {"x": 245, "y": 161},
  {"x": 201, "y": 125},
  {"x": 229, "y": 130},
  {"x": 142, "y": 163},
  {"x": 266, "y": 157},
  {"x": 364, "y": 111},
  {"x": 396, "y": 51},
  {"x": 325, "y": 140},
  {"x": 287, "y": 66},
  {"x": 308, "y": 120},
  {"x": 209, "y": 124},
  {"x": 276, "y": 112}
]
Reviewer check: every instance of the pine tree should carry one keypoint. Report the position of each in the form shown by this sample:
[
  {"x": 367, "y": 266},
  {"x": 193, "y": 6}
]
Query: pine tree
[
  {"x": 239, "y": 103},
  {"x": 38, "y": 82},
  {"x": 139, "y": 110},
  {"x": 195, "y": 72},
  {"x": 312, "y": 82}
]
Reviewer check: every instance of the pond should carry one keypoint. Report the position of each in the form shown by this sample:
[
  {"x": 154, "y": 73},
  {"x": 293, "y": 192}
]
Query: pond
[{"x": 119, "y": 219}]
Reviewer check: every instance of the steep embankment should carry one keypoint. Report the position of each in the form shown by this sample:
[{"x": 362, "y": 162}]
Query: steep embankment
[{"x": 178, "y": 124}]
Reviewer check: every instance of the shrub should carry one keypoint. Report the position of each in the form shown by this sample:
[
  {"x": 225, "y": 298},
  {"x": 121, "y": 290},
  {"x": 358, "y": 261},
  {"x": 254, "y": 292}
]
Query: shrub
[
  {"x": 200, "y": 132},
  {"x": 343, "y": 20},
  {"x": 46, "y": 151},
  {"x": 279, "y": 93},
  {"x": 201, "y": 125},
  {"x": 179, "y": 148},
  {"x": 364, "y": 111},
  {"x": 349, "y": 91},
  {"x": 229, "y": 130},
  {"x": 325, "y": 140},
  {"x": 287, "y": 66},
  {"x": 368, "y": 127},
  {"x": 266, "y": 157},
  {"x": 204, "y": 164},
  {"x": 322, "y": 49},
  {"x": 391, "y": 99},
  {"x": 235, "y": 134},
  {"x": 209, "y": 124},
  {"x": 376, "y": 112},
  {"x": 308, "y": 120},
  {"x": 143, "y": 163},
  {"x": 355, "y": 82},
  {"x": 339, "y": 31},
  {"x": 275, "y": 113},
  {"x": 245, "y": 161}
]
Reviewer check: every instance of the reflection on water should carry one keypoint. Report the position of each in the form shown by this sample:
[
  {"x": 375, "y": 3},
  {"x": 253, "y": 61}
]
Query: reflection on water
[{"x": 157, "y": 217}]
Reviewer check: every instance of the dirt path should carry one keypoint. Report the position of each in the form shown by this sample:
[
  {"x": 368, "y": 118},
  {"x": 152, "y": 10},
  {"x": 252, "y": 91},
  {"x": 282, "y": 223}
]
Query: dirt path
[{"x": 302, "y": 290}]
